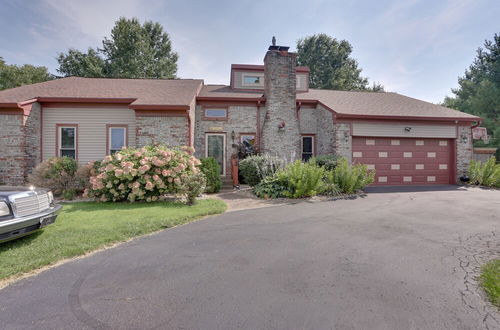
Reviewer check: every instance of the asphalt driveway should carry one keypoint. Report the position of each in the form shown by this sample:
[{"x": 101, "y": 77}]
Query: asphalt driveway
[{"x": 390, "y": 260}]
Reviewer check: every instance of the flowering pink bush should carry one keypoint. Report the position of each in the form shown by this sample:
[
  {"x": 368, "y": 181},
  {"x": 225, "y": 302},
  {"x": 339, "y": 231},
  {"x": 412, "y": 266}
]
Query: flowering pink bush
[{"x": 146, "y": 174}]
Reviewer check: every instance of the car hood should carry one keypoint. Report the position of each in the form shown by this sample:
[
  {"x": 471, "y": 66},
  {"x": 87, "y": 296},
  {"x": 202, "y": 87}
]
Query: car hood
[{"x": 10, "y": 190}]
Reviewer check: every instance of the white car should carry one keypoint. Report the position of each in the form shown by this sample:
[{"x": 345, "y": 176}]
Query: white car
[{"x": 24, "y": 210}]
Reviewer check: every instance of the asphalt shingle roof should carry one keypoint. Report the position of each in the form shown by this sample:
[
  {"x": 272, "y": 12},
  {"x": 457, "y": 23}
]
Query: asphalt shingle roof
[
  {"x": 181, "y": 92},
  {"x": 379, "y": 104},
  {"x": 145, "y": 91}
]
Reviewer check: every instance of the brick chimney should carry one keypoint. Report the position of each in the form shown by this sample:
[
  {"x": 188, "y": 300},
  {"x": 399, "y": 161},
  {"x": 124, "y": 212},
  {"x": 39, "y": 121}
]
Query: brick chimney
[{"x": 280, "y": 130}]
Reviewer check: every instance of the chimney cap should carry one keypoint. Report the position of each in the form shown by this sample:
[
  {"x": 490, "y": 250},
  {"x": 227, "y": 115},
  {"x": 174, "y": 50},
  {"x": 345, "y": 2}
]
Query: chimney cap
[{"x": 274, "y": 47}]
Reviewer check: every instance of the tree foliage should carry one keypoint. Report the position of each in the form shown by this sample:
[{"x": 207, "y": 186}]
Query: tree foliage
[
  {"x": 479, "y": 90},
  {"x": 132, "y": 51},
  {"x": 76, "y": 63},
  {"x": 14, "y": 75},
  {"x": 331, "y": 64}
]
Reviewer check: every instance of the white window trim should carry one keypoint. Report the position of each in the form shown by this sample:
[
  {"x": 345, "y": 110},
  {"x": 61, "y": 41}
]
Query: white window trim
[
  {"x": 223, "y": 148},
  {"x": 60, "y": 147},
  {"x": 125, "y": 136},
  {"x": 312, "y": 144},
  {"x": 260, "y": 75}
]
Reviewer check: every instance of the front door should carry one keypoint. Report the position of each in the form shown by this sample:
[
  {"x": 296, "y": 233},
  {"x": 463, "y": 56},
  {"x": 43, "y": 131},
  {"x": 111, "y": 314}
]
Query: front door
[{"x": 215, "y": 147}]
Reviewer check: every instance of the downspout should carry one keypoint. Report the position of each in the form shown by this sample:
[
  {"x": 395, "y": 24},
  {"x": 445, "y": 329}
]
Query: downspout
[
  {"x": 478, "y": 123},
  {"x": 190, "y": 144},
  {"x": 257, "y": 133}
]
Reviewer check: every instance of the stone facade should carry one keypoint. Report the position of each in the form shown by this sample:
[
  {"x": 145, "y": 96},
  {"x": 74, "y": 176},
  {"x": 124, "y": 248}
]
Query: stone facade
[
  {"x": 20, "y": 145},
  {"x": 171, "y": 131},
  {"x": 343, "y": 140},
  {"x": 12, "y": 156},
  {"x": 280, "y": 93},
  {"x": 32, "y": 132},
  {"x": 240, "y": 119},
  {"x": 464, "y": 150},
  {"x": 325, "y": 141}
]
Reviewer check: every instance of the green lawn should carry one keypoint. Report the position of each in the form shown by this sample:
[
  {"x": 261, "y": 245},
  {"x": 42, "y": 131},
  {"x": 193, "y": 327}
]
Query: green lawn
[
  {"x": 87, "y": 226},
  {"x": 490, "y": 280}
]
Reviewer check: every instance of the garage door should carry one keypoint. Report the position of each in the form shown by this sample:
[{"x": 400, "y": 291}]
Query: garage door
[{"x": 405, "y": 161}]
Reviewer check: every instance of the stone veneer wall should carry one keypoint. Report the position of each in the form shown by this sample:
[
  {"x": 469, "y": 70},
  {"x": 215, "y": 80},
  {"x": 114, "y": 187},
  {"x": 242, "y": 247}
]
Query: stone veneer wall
[
  {"x": 343, "y": 140},
  {"x": 171, "y": 131},
  {"x": 11, "y": 152},
  {"x": 464, "y": 150},
  {"x": 326, "y": 132},
  {"x": 19, "y": 145},
  {"x": 280, "y": 93},
  {"x": 308, "y": 121},
  {"x": 32, "y": 130},
  {"x": 240, "y": 119}
]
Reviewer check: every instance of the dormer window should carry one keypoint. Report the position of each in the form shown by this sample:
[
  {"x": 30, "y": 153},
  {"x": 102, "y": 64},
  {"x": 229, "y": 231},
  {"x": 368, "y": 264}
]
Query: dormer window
[{"x": 252, "y": 79}]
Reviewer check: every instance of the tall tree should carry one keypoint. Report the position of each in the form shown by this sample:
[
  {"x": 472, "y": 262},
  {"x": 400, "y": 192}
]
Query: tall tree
[
  {"x": 331, "y": 64},
  {"x": 76, "y": 63},
  {"x": 132, "y": 51},
  {"x": 14, "y": 76},
  {"x": 479, "y": 90}
]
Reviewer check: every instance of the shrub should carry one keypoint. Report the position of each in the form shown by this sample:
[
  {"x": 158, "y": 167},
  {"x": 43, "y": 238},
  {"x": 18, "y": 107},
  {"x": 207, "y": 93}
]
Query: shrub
[
  {"x": 328, "y": 162},
  {"x": 271, "y": 187},
  {"x": 211, "y": 170},
  {"x": 146, "y": 174},
  {"x": 69, "y": 194},
  {"x": 486, "y": 174},
  {"x": 56, "y": 174},
  {"x": 303, "y": 179},
  {"x": 84, "y": 173},
  {"x": 330, "y": 188},
  {"x": 350, "y": 179},
  {"x": 256, "y": 168},
  {"x": 193, "y": 186}
]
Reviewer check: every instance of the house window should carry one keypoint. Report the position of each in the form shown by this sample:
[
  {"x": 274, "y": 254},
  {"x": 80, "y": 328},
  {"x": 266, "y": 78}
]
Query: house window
[
  {"x": 252, "y": 80},
  {"x": 247, "y": 139},
  {"x": 307, "y": 147},
  {"x": 67, "y": 141},
  {"x": 117, "y": 138},
  {"x": 216, "y": 113}
]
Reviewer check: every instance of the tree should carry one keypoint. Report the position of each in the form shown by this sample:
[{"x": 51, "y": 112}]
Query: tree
[
  {"x": 479, "y": 91},
  {"x": 14, "y": 76},
  {"x": 331, "y": 64},
  {"x": 132, "y": 51},
  {"x": 76, "y": 63}
]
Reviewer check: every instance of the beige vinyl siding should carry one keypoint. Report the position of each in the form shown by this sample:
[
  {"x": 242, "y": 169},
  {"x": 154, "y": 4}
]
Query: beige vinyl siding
[
  {"x": 398, "y": 130},
  {"x": 238, "y": 79},
  {"x": 91, "y": 129},
  {"x": 302, "y": 83}
]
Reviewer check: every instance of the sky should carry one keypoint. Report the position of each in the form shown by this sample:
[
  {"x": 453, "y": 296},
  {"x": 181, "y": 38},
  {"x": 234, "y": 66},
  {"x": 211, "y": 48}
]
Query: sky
[{"x": 413, "y": 47}]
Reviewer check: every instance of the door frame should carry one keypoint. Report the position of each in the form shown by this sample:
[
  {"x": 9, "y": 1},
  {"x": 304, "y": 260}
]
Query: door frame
[
  {"x": 224, "y": 160},
  {"x": 313, "y": 144}
]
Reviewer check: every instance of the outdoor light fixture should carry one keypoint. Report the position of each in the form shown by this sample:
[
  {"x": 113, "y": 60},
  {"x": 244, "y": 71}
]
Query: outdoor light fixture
[
  {"x": 233, "y": 135},
  {"x": 281, "y": 125},
  {"x": 407, "y": 129}
]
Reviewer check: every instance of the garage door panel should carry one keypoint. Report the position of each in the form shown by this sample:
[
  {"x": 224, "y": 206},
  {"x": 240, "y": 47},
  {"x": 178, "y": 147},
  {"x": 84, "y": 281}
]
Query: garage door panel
[{"x": 405, "y": 161}]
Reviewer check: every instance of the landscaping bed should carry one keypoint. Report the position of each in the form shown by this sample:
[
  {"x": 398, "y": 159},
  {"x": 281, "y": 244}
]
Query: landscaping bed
[{"x": 83, "y": 227}]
